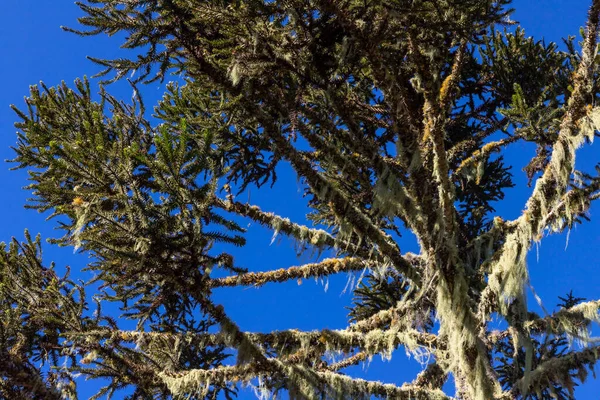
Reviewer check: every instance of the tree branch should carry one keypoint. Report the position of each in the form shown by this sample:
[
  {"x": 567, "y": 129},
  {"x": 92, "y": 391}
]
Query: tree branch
[
  {"x": 324, "y": 268},
  {"x": 509, "y": 273},
  {"x": 336, "y": 385},
  {"x": 558, "y": 371},
  {"x": 373, "y": 342}
]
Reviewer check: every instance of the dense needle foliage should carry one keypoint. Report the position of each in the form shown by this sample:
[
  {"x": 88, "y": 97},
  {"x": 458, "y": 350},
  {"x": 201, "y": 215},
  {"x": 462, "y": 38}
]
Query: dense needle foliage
[{"x": 394, "y": 114}]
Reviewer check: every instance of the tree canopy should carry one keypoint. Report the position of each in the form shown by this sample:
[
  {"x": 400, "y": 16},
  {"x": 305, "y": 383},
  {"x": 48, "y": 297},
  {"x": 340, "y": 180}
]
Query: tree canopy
[{"x": 393, "y": 114}]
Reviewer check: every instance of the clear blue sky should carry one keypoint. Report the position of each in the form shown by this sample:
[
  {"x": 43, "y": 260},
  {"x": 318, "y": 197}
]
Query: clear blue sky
[{"x": 34, "y": 48}]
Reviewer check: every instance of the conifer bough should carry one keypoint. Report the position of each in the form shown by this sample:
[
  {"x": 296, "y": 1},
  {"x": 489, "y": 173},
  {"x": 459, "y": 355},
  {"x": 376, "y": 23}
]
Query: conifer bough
[{"x": 394, "y": 115}]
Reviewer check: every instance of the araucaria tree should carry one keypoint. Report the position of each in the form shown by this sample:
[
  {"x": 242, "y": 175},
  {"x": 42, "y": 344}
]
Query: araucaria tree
[{"x": 394, "y": 114}]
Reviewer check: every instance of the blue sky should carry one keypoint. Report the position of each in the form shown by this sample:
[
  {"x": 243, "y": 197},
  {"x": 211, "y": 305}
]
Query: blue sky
[{"x": 34, "y": 48}]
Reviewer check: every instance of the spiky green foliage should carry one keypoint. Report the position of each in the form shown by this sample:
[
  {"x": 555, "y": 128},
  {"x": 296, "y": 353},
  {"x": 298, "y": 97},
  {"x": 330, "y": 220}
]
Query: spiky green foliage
[
  {"x": 394, "y": 116},
  {"x": 37, "y": 306}
]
